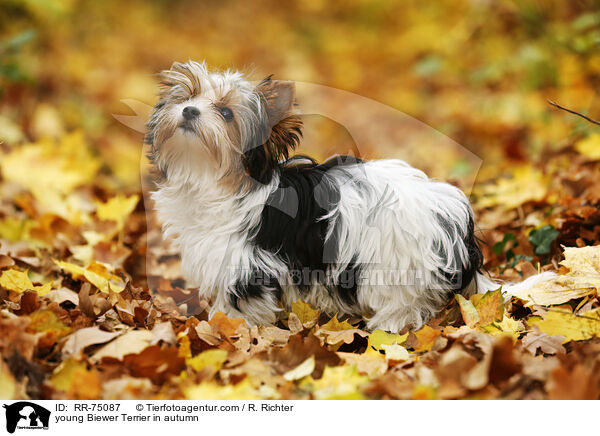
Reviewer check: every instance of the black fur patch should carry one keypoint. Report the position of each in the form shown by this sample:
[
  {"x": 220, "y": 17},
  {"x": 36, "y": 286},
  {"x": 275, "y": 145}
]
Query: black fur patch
[
  {"x": 258, "y": 283},
  {"x": 293, "y": 227},
  {"x": 468, "y": 270}
]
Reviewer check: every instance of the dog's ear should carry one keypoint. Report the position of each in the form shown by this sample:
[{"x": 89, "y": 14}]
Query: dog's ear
[
  {"x": 284, "y": 129},
  {"x": 279, "y": 96}
]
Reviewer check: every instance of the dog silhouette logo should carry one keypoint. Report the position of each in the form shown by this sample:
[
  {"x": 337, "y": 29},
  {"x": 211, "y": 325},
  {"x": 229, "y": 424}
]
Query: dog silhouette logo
[{"x": 26, "y": 415}]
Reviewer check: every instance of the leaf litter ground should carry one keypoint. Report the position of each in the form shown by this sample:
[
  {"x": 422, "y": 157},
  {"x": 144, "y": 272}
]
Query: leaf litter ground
[{"x": 80, "y": 321}]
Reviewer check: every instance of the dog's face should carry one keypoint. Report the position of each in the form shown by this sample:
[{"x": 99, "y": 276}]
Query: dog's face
[{"x": 220, "y": 124}]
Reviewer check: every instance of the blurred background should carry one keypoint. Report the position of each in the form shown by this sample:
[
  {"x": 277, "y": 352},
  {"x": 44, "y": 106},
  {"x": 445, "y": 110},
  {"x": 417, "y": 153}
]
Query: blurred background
[{"x": 477, "y": 71}]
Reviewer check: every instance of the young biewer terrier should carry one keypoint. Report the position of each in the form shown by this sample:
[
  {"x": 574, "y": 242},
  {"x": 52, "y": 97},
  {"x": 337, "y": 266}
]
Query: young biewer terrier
[{"x": 258, "y": 230}]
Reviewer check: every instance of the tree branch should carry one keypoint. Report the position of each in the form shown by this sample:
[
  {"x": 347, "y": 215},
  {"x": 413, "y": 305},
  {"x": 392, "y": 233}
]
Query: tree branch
[{"x": 574, "y": 112}]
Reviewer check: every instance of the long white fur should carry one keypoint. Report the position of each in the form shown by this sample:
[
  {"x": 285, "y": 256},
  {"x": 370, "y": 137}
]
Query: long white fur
[{"x": 385, "y": 221}]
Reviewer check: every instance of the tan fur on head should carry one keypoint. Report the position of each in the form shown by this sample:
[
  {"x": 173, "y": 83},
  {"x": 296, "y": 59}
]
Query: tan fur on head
[{"x": 261, "y": 132}]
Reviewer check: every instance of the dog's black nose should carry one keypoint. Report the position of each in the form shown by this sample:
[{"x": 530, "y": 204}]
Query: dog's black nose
[{"x": 190, "y": 112}]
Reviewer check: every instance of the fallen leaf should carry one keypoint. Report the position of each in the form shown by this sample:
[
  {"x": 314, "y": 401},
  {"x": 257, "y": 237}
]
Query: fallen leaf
[
  {"x": 117, "y": 209},
  {"x": 506, "y": 327},
  {"x": 395, "y": 352},
  {"x": 579, "y": 383},
  {"x": 212, "y": 391},
  {"x": 589, "y": 146},
  {"x": 583, "y": 279},
  {"x": 490, "y": 307},
  {"x": 154, "y": 362},
  {"x": 298, "y": 350},
  {"x": 6, "y": 261},
  {"x": 63, "y": 294},
  {"x": 228, "y": 326},
  {"x": 366, "y": 364},
  {"x": 132, "y": 342},
  {"x": 338, "y": 383},
  {"x": 572, "y": 327},
  {"x": 468, "y": 311},
  {"x": 534, "y": 341},
  {"x": 19, "y": 281},
  {"x": 306, "y": 314},
  {"x": 85, "y": 337},
  {"x": 74, "y": 378},
  {"x": 426, "y": 337},
  {"x": 379, "y": 338},
  {"x": 212, "y": 358},
  {"x": 95, "y": 273},
  {"x": 508, "y": 193},
  {"x": 304, "y": 369},
  {"x": 334, "y": 325}
]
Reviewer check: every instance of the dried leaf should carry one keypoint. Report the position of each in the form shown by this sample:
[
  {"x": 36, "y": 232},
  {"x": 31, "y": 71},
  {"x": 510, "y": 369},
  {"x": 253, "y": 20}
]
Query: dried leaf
[
  {"x": 19, "y": 281},
  {"x": 85, "y": 337},
  {"x": 572, "y": 327},
  {"x": 306, "y": 314},
  {"x": 132, "y": 342}
]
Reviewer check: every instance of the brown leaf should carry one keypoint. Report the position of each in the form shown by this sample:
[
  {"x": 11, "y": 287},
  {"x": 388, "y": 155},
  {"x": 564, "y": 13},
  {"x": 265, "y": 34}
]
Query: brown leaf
[
  {"x": 505, "y": 362},
  {"x": 534, "y": 341},
  {"x": 85, "y": 337},
  {"x": 578, "y": 383},
  {"x": 155, "y": 362},
  {"x": 426, "y": 338},
  {"x": 30, "y": 302},
  {"x": 298, "y": 350},
  {"x": 6, "y": 261},
  {"x": 228, "y": 326}
]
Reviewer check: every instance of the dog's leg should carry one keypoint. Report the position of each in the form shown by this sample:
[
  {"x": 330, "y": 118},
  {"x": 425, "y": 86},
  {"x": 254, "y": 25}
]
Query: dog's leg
[{"x": 254, "y": 298}]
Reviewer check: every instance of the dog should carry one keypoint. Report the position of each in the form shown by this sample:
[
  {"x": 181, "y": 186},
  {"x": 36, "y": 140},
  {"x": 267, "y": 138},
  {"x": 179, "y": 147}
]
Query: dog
[{"x": 258, "y": 230}]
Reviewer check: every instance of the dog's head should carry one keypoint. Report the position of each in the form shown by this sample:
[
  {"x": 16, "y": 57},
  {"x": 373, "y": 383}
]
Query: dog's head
[{"x": 219, "y": 123}]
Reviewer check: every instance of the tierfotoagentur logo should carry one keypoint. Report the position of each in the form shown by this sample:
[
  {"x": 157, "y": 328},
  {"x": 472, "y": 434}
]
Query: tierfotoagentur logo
[{"x": 24, "y": 415}]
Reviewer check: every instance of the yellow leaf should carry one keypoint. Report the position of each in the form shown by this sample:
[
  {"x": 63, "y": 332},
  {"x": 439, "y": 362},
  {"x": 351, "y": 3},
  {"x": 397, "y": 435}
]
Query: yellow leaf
[
  {"x": 468, "y": 311},
  {"x": 74, "y": 378},
  {"x": 507, "y": 326},
  {"x": 510, "y": 193},
  {"x": 46, "y": 321},
  {"x": 59, "y": 168},
  {"x": 337, "y": 383},
  {"x": 333, "y": 325},
  {"x": 589, "y": 147},
  {"x": 63, "y": 375},
  {"x": 117, "y": 209},
  {"x": 572, "y": 327},
  {"x": 14, "y": 229},
  {"x": 379, "y": 338},
  {"x": 185, "y": 346},
  {"x": 490, "y": 307},
  {"x": 305, "y": 313},
  {"x": 306, "y": 368},
  {"x": 19, "y": 281},
  {"x": 424, "y": 392},
  {"x": 8, "y": 385},
  {"x": 214, "y": 358},
  {"x": 212, "y": 391},
  {"x": 97, "y": 274}
]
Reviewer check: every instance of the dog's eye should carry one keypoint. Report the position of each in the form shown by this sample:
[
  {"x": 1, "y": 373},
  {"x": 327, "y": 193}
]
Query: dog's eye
[{"x": 226, "y": 113}]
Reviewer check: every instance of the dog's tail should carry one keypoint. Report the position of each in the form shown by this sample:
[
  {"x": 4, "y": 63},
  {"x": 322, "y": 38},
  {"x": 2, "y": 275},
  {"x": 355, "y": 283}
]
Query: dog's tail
[{"x": 509, "y": 289}]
